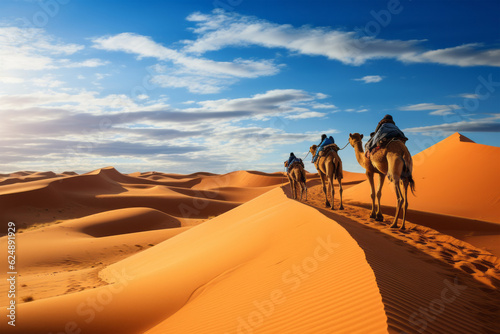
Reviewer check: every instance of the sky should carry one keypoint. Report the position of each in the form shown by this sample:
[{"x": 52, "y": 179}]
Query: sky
[{"x": 224, "y": 85}]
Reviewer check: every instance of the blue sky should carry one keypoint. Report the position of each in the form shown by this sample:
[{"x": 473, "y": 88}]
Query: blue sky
[{"x": 186, "y": 86}]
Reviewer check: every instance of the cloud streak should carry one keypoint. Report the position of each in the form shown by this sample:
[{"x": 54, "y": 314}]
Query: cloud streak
[
  {"x": 219, "y": 29},
  {"x": 436, "y": 109},
  {"x": 490, "y": 124},
  {"x": 370, "y": 79},
  {"x": 32, "y": 49},
  {"x": 64, "y": 130},
  {"x": 199, "y": 75}
]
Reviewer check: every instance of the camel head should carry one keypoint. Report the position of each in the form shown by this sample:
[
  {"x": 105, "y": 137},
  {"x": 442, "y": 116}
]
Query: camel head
[
  {"x": 312, "y": 149},
  {"x": 354, "y": 138}
]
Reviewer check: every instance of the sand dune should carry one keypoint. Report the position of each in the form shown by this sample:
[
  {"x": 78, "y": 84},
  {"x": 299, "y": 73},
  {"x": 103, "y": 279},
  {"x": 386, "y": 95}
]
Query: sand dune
[
  {"x": 105, "y": 252},
  {"x": 456, "y": 182},
  {"x": 192, "y": 197},
  {"x": 272, "y": 279},
  {"x": 27, "y": 176}
]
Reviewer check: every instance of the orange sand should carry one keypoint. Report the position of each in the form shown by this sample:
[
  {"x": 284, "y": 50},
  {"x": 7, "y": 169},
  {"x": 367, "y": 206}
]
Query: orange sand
[{"x": 105, "y": 252}]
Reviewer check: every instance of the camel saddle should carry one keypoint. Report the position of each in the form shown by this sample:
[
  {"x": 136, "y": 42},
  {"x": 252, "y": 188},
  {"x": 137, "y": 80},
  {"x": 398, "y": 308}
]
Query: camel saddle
[
  {"x": 333, "y": 148},
  {"x": 295, "y": 163},
  {"x": 328, "y": 148},
  {"x": 383, "y": 143}
]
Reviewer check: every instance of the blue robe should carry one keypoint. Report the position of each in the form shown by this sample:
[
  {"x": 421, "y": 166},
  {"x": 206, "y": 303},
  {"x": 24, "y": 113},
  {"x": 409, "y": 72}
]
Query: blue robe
[
  {"x": 321, "y": 146},
  {"x": 386, "y": 130}
]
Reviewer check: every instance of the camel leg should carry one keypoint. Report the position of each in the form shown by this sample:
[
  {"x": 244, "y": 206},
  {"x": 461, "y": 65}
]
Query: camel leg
[
  {"x": 322, "y": 176},
  {"x": 301, "y": 189},
  {"x": 290, "y": 182},
  {"x": 405, "y": 201},
  {"x": 332, "y": 190},
  {"x": 292, "y": 187},
  {"x": 303, "y": 184},
  {"x": 379, "y": 217},
  {"x": 399, "y": 205},
  {"x": 369, "y": 175},
  {"x": 340, "y": 192}
]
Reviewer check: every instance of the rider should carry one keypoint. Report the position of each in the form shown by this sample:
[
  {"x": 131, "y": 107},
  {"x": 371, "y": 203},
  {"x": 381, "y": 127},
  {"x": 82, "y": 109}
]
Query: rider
[
  {"x": 291, "y": 160},
  {"x": 386, "y": 128},
  {"x": 324, "y": 141}
]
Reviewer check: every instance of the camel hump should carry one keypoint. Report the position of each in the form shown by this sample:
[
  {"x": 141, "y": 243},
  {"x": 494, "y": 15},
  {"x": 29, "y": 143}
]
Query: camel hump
[
  {"x": 337, "y": 163},
  {"x": 333, "y": 147},
  {"x": 296, "y": 163}
]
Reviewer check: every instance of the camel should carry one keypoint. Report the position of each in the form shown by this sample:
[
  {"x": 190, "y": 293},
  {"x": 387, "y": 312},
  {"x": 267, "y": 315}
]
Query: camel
[
  {"x": 297, "y": 176},
  {"x": 395, "y": 161},
  {"x": 329, "y": 167}
]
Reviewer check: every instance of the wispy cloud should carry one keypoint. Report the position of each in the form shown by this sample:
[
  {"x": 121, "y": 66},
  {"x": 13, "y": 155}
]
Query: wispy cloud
[
  {"x": 436, "y": 109},
  {"x": 474, "y": 54},
  {"x": 32, "y": 49},
  {"x": 490, "y": 124},
  {"x": 356, "y": 110},
  {"x": 370, "y": 79},
  {"x": 199, "y": 75},
  {"x": 469, "y": 96},
  {"x": 220, "y": 29},
  {"x": 68, "y": 129}
]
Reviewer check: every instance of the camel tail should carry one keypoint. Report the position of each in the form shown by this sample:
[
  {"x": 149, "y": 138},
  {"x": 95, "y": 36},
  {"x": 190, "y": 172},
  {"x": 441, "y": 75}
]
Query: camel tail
[
  {"x": 303, "y": 176},
  {"x": 407, "y": 171},
  {"x": 412, "y": 184}
]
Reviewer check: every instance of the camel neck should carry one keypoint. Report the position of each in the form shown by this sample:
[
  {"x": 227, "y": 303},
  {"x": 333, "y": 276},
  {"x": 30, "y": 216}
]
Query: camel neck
[{"x": 360, "y": 154}]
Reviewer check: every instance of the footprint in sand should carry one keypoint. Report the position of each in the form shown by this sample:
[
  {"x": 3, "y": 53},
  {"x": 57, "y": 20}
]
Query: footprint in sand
[
  {"x": 467, "y": 269},
  {"x": 480, "y": 267}
]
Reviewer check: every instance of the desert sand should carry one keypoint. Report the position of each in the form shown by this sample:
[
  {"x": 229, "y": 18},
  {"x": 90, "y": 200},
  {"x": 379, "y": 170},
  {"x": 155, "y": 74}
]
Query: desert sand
[{"x": 106, "y": 252}]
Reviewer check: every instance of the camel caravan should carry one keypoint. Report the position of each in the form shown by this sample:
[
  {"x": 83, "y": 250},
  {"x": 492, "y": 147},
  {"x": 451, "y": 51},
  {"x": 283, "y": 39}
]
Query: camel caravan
[{"x": 385, "y": 154}]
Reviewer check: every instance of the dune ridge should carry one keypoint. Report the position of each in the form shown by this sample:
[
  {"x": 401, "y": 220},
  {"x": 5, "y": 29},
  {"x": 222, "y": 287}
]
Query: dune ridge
[{"x": 174, "y": 279}]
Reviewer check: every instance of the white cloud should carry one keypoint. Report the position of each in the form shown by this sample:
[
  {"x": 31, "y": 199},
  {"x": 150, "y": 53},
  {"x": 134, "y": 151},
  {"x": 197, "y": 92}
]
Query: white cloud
[
  {"x": 278, "y": 101},
  {"x": 34, "y": 49},
  {"x": 66, "y": 131},
  {"x": 490, "y": 124},
  {"x": 370, "y": 79},
  {"x": 11, "y": 80},
  {"x": 199, "y": 75},
  {"x": 469, "y": 96},
  {"x": 463, "y": 55},
  {"x": 194, "y": 83},
  {"x": 85, "y": 63},
  {"x": 436, "y": 109},
  {"x": 357, "y": 110},
  {"x": 221, "y": 29},
  {"x": 309, "y": 114},
  {"x": 323, "y": 106}
]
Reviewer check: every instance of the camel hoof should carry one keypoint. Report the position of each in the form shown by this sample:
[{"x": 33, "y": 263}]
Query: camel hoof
[
  {"x": 394, "y": 226},
  {"x": 379, "y": 218},
  {"x": 341, "y": 207},
  {"x": 327, "y": 204},
  {"x": 332, "y": 208},
  {"x": 402, "y": 228},
  {"x": 373, "y": 215}
]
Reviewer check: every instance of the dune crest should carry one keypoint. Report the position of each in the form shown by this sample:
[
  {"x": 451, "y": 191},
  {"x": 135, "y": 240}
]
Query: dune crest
[{"x": 264, "y": 268}]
